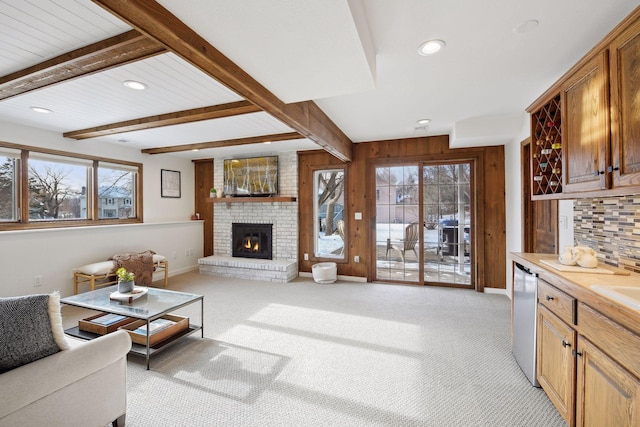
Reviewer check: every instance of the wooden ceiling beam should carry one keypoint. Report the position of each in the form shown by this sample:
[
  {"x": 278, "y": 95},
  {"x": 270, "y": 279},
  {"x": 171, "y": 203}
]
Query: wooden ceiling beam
[
  {"x": 169, "y": 119},
  {"x": 100, "y": 56},
  {"x": 224, "y": 143},
  {"x": 158, "y": 23}
]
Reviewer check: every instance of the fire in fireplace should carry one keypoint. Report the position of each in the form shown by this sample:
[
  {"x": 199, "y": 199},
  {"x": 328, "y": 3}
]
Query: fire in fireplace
[{"x": 252, "y": 240}]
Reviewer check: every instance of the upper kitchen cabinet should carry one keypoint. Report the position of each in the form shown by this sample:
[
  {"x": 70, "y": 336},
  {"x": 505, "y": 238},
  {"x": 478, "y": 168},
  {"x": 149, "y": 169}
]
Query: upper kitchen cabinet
[
  {"x": 599, "y": 128},
  {"x": 585, "y": 118},
  {"x": 625, "y": 107}
]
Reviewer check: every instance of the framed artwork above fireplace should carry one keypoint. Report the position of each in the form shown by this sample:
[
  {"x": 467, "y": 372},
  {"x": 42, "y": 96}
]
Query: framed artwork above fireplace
[{"x": 254, "y": 176}]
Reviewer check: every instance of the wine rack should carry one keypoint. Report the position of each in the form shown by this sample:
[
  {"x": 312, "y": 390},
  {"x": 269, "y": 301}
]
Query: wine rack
[{"x": 546, "y": 149}]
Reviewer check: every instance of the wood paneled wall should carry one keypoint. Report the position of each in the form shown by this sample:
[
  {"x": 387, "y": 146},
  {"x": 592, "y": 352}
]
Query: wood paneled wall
[
  {"x": 490, "y": 236},
  {"x": 203, "y": 173}
]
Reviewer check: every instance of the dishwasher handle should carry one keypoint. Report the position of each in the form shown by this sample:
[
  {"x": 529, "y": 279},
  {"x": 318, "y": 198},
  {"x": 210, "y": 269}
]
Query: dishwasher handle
[{"x": 526, "y": 270}]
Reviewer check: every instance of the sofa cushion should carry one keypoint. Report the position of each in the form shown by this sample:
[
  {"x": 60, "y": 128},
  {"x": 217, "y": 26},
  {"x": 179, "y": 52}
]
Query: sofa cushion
[{"x": 27, "y": 325}]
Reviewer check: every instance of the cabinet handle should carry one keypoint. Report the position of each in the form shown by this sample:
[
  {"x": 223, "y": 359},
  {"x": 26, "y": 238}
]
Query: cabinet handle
[
  {"x": 612, "y": 168},
  {"x": 549, "y": 298},
  {"x": 575, "y": 353},
  {"x": 596, "y": 173},
  {"x": 566, "y": 343}
]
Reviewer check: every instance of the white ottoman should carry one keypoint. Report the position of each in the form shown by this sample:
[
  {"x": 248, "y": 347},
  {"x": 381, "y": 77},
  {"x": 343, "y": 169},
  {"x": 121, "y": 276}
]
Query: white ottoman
[{"x": 325, "y": 272}]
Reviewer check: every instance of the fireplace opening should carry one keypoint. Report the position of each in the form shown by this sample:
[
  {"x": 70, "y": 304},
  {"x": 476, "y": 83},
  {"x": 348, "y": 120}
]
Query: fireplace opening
[{"x": 252, "y": 240}]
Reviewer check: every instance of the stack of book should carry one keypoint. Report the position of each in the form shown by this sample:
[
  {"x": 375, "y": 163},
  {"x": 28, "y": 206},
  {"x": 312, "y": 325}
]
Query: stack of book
[
  {"x": 154, "y": 327},
  {"x": 108, "y": 319}
]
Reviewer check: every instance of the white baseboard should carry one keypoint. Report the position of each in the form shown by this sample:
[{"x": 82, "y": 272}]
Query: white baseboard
[
  {"x": 496, "y": 291},
  {"x": 340, "y": 277}
]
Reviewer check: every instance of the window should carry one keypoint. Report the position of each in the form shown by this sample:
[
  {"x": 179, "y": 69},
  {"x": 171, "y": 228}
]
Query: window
[
  {"x": 57, "y": 187},
  {"x": 9, "y": 184},
  {"x": 329, "y": 214},
  {"x": 116, "y": 186},
  {"x": 64, "y": 189}
]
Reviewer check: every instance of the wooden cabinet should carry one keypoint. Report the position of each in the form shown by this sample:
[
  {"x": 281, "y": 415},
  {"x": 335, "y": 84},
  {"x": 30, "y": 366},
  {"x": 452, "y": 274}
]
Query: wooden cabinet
[
  {"x": 585, "y": 117},
  {"x": 625, "y": 107},
  {"x": 588, "y": 364},
  {"x": 556, "y": 365},
  {"x": 556, "y": 338},
  {"x": 607, "y": 394},
  {"x": 600, "y": 120}
]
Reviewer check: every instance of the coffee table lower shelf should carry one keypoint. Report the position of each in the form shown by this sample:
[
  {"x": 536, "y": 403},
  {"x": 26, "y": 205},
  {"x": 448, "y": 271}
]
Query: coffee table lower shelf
[{"x": 139, "y": 349}]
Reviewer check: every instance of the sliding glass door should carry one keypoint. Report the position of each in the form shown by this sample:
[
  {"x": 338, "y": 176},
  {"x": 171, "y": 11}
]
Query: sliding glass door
[{"x": 424, "y": 224}]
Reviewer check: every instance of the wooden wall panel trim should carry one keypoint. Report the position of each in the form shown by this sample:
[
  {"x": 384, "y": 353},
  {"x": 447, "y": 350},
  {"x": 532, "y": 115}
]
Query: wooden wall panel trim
[{"x": 203, "y": 181}]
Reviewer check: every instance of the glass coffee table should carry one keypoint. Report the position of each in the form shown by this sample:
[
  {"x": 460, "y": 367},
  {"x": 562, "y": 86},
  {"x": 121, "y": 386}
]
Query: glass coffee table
[{"x": 155, "y": 304}]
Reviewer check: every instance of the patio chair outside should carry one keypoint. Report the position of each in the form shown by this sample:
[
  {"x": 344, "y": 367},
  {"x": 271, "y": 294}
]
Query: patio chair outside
[{"x": 411, "y": 235}]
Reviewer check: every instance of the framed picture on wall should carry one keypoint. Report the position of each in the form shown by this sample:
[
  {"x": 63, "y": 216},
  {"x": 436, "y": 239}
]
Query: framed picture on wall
[{"x": 169, "y": 183}]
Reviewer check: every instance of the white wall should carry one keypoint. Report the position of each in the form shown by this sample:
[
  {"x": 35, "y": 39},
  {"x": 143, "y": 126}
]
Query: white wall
[
  {"x": 513, "y": 197},
  {"x": 53, "y": 253}
]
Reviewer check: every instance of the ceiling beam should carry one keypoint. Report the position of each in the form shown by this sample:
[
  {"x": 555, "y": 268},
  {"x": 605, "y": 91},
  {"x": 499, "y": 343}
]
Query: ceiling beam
[
  {"x": 103, "y": 55},
  {"x": 169, "y": 119},
  {"x": 154, "y": 20},
  {"x": 224, "y": 143}
]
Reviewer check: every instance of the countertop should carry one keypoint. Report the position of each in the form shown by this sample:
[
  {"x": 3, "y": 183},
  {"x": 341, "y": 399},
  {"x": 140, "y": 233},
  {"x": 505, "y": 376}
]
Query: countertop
[{"x": 578, "y": 285}]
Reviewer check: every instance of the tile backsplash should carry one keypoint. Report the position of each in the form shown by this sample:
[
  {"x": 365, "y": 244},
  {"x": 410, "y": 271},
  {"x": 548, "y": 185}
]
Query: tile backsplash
[{"x": 611, "y": 226}]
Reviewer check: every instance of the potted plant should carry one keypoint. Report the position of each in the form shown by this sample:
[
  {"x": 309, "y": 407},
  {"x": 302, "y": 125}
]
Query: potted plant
[
  {"x": 212, "y": 192},
  {"x": 125, "y": 280}
]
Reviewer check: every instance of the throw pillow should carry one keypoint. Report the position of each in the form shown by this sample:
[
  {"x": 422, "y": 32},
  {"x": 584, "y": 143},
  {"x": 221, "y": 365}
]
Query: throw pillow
[{"x": 27, "y": 327}]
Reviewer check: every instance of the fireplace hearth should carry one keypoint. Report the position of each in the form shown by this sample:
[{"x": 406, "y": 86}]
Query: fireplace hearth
[{"x": 252, "y": 240}]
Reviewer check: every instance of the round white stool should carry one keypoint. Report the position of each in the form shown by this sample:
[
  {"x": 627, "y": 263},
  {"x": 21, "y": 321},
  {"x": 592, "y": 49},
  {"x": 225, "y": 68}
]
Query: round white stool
[{"x": 325, "y": 272}]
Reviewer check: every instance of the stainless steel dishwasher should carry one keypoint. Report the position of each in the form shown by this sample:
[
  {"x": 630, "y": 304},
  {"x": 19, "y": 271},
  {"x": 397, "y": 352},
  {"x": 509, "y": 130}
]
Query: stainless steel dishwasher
[{"x": 525, "y": 303}]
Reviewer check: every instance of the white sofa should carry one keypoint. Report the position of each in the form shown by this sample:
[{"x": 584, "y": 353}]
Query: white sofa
[{"x": 83, "y": 386}]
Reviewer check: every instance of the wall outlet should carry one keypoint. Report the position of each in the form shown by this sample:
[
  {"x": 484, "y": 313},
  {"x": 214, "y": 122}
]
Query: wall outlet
[
  {"x": 358, "y": 216},
  {"x": 306, "y": 257},
  {"x": 174, "y": 255},
  {"x": 356, "y": 258},
  {"x": 37, "y": 280}
]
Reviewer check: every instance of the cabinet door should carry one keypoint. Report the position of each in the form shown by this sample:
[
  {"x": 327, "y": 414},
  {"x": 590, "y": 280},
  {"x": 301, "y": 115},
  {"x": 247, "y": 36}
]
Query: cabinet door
[
  {"x": 607, "y": 395},
  {"x": 625, "y": 111},
  {"x": 556, "y": 365},
  {"x": 585, "y": 127}
]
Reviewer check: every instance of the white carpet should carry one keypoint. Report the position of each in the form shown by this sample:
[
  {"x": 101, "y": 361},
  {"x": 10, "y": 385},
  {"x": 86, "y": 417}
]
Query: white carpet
[{"x": 347, "y": 354}]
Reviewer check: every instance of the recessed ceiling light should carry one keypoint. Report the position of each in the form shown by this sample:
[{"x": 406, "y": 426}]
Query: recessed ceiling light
[
  {"x": 41, "y": 110},
  {"x": 195, "y": 149},
  {"x": 423, "y": 121},
  {"x": 132, "y": 84},
  {"x": 526, "y": 26},
  {"x": 430, "y": 47},
  {"x": 267, "y": 142}
]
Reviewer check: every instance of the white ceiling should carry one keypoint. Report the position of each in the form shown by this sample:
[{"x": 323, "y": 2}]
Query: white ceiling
[{"x": 357, "y": 59}]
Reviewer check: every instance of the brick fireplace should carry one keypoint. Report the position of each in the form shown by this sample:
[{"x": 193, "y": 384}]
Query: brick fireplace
[{"x": 283, "y": 217}]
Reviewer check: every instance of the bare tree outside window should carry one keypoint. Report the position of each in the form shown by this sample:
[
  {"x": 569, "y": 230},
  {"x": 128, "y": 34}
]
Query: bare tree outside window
[{"x": 52, "y": 192}]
